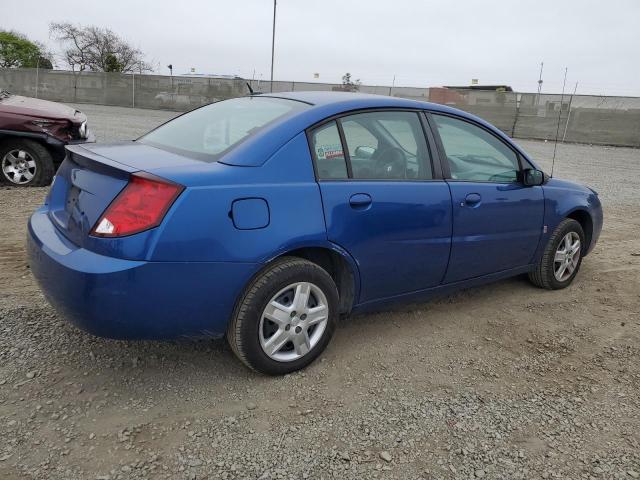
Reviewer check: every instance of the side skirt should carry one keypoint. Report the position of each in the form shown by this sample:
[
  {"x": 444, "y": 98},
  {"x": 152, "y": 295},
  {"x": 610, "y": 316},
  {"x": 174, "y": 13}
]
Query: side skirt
[{"x": 420, "y": 296}]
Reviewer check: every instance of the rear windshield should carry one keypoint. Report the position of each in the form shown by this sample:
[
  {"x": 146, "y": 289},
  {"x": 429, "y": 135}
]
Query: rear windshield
[{"x": 209, "y": 132}]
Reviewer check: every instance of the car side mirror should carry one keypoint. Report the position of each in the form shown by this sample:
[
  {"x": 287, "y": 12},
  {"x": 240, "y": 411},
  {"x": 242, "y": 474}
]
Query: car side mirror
[
  {"x": 365, "y": 152},
  {"x": 532, "y": 177}
]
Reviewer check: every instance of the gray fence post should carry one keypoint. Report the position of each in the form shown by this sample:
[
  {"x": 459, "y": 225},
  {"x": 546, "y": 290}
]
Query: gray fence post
[
  {"x": 517, "y": 114},
  {"x": 566, "y": 125},
  {"x": 133, "y": 82}
]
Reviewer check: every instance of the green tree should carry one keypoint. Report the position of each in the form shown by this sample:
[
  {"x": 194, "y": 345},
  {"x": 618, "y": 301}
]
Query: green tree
[
  {"x": 111, "y": 63},
  {"x": 45, "y": 62},
  {"x": 17, "y": 51}
]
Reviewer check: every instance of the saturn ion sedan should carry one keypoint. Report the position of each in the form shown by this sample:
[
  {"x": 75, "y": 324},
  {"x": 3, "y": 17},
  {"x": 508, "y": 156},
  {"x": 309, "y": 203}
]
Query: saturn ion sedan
[{"x": 266, "y": 218}]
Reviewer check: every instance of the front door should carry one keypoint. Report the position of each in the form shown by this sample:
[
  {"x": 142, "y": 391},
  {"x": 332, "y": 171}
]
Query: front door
[
  {"x": 497, "y": 221},
  {"x": 381, "y": 201}
]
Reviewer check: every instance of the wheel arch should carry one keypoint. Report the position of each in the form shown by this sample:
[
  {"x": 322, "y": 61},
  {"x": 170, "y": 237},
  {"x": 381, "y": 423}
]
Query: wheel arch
[
  {"x": 583, "y": 217},
  {"x": 337, "y": 262}
]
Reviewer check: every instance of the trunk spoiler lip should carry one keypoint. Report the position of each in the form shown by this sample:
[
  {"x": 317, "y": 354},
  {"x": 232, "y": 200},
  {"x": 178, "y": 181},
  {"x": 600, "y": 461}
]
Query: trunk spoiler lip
[{"x": 88, "y": 159}]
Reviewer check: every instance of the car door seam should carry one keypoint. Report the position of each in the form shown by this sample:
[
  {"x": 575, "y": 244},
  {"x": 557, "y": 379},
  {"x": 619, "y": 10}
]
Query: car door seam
[{"x": 446, "y": 270}]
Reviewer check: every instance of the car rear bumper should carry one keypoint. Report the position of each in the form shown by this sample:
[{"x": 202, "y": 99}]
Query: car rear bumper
[{"x": 129, "y": 299}]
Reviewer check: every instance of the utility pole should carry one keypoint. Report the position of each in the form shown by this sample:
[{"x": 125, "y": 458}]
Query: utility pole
[
  {"x": 539, "y": 84},
  {"x": 273, "y": 43}
]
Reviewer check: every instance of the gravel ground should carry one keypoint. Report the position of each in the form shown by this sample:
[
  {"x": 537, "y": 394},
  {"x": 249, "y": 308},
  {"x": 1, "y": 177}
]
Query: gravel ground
[{"x": 504, "y": 381}]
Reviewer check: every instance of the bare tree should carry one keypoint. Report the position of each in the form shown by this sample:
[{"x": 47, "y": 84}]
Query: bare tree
[{"x": 97, "y": 49}]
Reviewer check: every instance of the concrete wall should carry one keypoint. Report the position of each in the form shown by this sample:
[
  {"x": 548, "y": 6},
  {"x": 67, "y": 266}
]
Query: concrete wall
[
  {"x": 588, "y": 119},
  {"x": 581, "y": 118},
  {"x": 143, "y": 91}
]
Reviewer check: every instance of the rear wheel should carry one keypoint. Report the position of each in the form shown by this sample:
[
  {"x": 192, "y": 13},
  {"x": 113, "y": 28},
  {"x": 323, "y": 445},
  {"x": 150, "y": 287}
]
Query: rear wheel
[
  {"x": 25, "y": 163},
  {"x": 285, "y": 318},
  {"x": 562, "y": 257}
]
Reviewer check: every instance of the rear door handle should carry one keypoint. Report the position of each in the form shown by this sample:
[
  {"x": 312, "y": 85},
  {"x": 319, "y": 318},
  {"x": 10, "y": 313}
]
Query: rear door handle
[
  {"x": 472, "y": 200},
  {"x": 360, "y": 201}
]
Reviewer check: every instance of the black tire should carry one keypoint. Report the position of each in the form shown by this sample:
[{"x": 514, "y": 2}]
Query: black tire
[
  {"x": 243, "y": 329},
  {"x": 543, "y": 276},
  {"x": 44, "y": 167}
]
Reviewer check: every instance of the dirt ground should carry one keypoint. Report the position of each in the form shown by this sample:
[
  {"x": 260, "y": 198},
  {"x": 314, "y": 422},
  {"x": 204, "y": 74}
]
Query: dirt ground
[{"x": 504, "y": 381}]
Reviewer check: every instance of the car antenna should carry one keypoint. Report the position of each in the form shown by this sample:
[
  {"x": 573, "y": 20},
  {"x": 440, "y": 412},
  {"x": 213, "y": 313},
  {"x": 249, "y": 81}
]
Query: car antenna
[
  {"x": 250, "y": 89},
  {"x": 555, "y": 145}
]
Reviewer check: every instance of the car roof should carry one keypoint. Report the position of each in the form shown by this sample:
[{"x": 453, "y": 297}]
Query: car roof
[
  {"x": 370, "y": 100},
  {"x": 324, "y": 97}
]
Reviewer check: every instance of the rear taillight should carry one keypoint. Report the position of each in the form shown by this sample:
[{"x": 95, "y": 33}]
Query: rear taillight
[{"x": 140, "y": 206}]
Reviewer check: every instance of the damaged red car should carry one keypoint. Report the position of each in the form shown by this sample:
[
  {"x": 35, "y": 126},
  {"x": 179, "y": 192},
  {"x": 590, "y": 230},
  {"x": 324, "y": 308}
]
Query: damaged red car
[{"x": 33, "y": 134}]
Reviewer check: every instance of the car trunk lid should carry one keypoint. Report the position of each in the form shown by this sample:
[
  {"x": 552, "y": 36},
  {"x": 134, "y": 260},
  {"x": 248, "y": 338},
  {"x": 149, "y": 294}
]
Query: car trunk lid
[
  {"x": 139, "y": 156},
  {"x": 92, "y": 176},
  {"x": 85, "y": 185}
]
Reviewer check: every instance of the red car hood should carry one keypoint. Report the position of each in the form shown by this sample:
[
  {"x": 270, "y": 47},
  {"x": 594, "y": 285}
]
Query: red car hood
[{"x": 34, "y": 107}]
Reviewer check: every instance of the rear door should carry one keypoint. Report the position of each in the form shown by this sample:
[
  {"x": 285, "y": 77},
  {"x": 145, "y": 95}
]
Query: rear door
[
  {"x": 497, "y": 221},
  {"x": 382, "y": 201}
]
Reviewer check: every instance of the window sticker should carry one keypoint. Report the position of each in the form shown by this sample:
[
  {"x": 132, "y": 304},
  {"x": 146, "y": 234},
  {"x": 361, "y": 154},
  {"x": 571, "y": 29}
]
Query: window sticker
[{"x": 329, "y": 152}]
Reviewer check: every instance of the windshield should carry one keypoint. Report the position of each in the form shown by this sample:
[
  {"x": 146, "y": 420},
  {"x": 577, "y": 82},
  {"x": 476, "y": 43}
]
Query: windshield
[{"x": 208, "y": 132}]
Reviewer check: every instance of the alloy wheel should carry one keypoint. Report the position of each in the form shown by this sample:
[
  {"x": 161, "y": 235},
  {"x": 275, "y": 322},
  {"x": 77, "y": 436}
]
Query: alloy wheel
[
  {"x": 293, "y": 322},
  {"x": 19, "y": 167},
  {"x": 567, "y": 256}
]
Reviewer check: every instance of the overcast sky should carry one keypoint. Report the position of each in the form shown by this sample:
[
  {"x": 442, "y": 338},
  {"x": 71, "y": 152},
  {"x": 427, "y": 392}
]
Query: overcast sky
[{"x": 422, "y": 42}]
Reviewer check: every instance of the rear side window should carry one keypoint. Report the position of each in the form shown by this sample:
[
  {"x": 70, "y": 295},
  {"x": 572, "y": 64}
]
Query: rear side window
[
  {"x": 328, "y": 152},
  {"x": 209, "y": 132},
  {"x": 387, "y": 146},
  {"x": 357, "y": 136},
  {"x": 380, "y": 145},
  {"x": 398, "y": 128}
]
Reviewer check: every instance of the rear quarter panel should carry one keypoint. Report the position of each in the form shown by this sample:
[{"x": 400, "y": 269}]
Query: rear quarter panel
[{"x": 201, "y": 228}]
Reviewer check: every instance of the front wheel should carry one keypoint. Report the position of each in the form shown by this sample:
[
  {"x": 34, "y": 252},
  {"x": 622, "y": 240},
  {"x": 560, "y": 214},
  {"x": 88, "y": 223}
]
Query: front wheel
[
  {"x": 285, "y": 317},
  {"x": 25, "y": 163},
  {"x": 561, "y": 258}
]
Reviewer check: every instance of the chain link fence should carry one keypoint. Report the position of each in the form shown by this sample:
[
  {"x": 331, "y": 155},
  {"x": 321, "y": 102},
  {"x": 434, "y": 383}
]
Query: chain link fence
[{"x": 579, "y": 118}]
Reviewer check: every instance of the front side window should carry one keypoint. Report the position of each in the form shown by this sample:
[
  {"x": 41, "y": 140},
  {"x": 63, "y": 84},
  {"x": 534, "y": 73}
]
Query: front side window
[
  {"x": 474, "y": 154},
  {"x": 208, "y": 132},
  {"x": 387, "y": 146}
]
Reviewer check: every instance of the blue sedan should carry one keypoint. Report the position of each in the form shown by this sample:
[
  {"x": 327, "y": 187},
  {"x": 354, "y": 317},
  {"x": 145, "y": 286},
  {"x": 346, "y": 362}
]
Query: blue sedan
[{"x": 266, "y": 218}]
